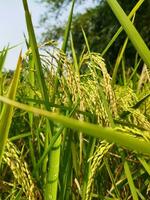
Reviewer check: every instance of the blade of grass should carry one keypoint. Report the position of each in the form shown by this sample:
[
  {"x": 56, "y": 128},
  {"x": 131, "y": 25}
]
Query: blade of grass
[
  {"x": 134, "y": 72},
  {"x": 112, "y": 178},
  {"x": 3, "y": 55},
  {"x": 145, "y": 164},
  {"x": 17, "y": 137},
  {"x": 63, "y": 48},
  {"x": 133, "y": 11},
  {"x": 140, "y": 195},
  {"x": 68, "y": 28},
  {"x": 123, "y": 71},
  {"x": 75, "y": 62},
  {"x": 123, "y": 139},
  {"x": 130, "y": 181},
  {"x": 131, "y": 31},
  {"x": 13, "y": 47},
  {"x": 118, "y": 60},
  {"x": 7, "y": 110}
]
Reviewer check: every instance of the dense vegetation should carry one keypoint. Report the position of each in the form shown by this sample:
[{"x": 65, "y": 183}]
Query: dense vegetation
[
  {"x": 68, "y": 130},
  {"x": 100, "y": 25}
]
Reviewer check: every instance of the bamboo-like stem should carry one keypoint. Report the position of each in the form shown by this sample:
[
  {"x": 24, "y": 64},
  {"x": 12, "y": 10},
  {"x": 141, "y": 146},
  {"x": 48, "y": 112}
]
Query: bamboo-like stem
[{"x": 54, "y": 156}]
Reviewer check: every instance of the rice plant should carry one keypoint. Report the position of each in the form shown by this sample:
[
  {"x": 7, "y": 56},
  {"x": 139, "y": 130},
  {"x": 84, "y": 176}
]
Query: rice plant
[{"x": 68, "y": 130}]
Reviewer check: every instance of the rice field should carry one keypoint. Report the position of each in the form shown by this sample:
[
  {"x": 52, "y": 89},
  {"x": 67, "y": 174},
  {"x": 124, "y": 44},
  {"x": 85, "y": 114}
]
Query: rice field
[{"x": 69, "y": 130}]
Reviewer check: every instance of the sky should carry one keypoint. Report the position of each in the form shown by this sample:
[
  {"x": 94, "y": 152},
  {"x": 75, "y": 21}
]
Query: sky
[{"x": 13, "y": 25}]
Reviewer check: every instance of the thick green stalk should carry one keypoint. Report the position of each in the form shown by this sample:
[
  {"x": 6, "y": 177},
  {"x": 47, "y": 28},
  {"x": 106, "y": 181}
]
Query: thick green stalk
[
  {"x": 50, "y": 192},
  {"x": 54, "y": 156},
  {"x": 131, "y": 31}
]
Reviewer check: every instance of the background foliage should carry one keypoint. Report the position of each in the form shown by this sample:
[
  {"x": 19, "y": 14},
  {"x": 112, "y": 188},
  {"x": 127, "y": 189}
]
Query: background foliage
[{"x": 100, "y": 25}]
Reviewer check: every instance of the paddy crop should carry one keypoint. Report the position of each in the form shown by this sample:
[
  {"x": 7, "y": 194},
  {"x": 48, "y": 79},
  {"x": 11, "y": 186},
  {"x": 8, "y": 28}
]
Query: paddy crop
[{"x": 68, "y": 128}]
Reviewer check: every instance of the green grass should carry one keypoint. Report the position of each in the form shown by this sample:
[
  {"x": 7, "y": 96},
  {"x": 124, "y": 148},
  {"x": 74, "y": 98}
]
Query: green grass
[{"x": 65, "y": 134}]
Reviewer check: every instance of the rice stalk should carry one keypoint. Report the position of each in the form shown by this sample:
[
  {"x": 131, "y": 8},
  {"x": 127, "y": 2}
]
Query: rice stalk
[{"x": 97, "y": 157}]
